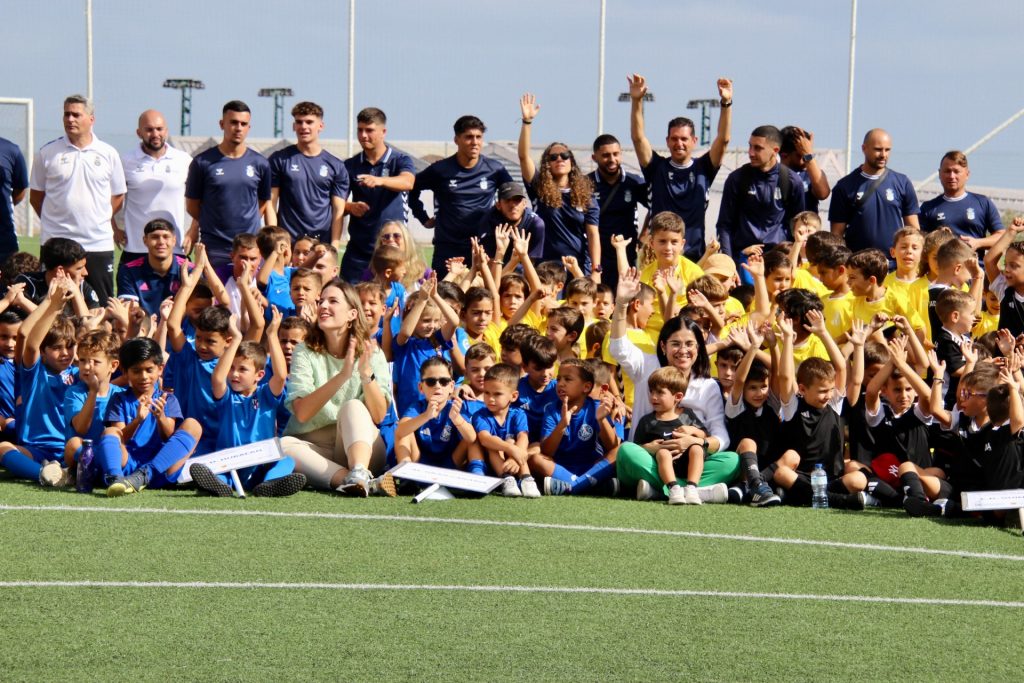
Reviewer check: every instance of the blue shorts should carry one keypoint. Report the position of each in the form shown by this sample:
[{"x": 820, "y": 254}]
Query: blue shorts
[{"x": 42, "y": 452}]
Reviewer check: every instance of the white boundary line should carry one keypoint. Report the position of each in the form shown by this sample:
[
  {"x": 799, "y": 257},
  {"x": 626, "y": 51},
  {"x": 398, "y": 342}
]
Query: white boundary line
[
  {"x": 527, "y": 525},
  {"x": 577, "y": 590}
]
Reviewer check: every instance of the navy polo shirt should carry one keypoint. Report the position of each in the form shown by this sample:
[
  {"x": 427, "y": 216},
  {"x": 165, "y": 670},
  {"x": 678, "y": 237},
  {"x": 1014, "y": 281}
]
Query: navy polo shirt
[
  {"x": 137, "y": 279},
  {"x": 307, "y": 184},
  {"x": 875, "y": 223},
  {"x": 684, "y": 191},
  {"x": 618, "y": 216},
  {"x": 462, "y": 198},
  {"x": 385, "y": 205},
  {"x": 565, "y": 232},
  {"x": 970, "y": 215},
  {"x": 758, "y": 214},
  {"x": 230, "y": 191},
  {"x": 810, "y": 201},
  {"x": 13, "y": 178}
]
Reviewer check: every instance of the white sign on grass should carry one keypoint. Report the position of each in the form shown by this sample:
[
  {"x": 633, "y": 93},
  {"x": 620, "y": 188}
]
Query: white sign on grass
[
  {"x": 454, "y": 479},
  {"x": 236, "y": 458},
  {"x": 1009, "y": 499}
]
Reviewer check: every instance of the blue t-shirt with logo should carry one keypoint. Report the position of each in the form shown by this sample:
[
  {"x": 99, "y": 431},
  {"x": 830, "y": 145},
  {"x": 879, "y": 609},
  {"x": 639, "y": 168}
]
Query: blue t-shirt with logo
[
  {"x": 230, "y": 192},
  {"x": 137, "y": 279},
  {"x": 385, "y": 205},
  {"x": 565, "y": 227},
  {"x": 534, "y": 403},
  {"x": 436, "y": 438},
  {"x": 879, "y": 218},
  {"x": 194, "y": 391},
  {"x": 758, "y": 214},
  {"x": 580, "y": 446},
  {"x": 41, "y": 422},
  {"x": 970, "y": 215},
  {"x": 683, "y": 190},
  {"x": 306, "y": 185},
  {"x": 247, "y": 419},
  {"x": 75, "y": 398},
  {"x": 147, "y": 439},
  {"x": 514, "y": 425}
]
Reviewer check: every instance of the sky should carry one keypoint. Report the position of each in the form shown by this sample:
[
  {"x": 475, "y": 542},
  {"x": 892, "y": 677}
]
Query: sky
[{"x": 938, "y": 74}]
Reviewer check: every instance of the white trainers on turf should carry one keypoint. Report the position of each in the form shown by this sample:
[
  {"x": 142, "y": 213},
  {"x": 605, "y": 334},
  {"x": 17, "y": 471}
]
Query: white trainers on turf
[
  {"x": 677, "y": 496},
  {"x": 52, "y": 474},
  {"x": 716, "y": 493},
  {"x": 509, "y": 488},
  {"x": 529, "y": 487},
  {"x": 692, "y": 497},
  {"x": 644, "y": 490}
]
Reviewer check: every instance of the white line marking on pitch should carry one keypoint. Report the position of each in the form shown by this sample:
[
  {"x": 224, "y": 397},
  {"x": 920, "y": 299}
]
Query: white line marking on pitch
[
  {"x": 252, "y": 585},
  {"x": 527, "y": 525}
]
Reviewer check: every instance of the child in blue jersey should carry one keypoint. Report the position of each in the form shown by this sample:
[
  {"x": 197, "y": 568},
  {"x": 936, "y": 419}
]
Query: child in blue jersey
[
  {"x": 579, "y": 441},
  {"x": 274, "y": 277},
  {"x": 194, "y": 364},
  {"x": 388, "y": 264},
  {"x": 47, "y": 351},
  {"x": 479, "y": 359},
  {"x": 248, "y": 410},
  {"x": 86, "y": 401},
  {"x": 147, "y": 441},
  {"x": 510, "y": 340},
  {"x": 537, "y": 388},
  {"x": 426, "y": 332},
  {"x": 10, "y": 323},
  {"x": 502, "y": 434},
  {"x": 435, "y": 430},
  {"x": 304, "y": 291}
]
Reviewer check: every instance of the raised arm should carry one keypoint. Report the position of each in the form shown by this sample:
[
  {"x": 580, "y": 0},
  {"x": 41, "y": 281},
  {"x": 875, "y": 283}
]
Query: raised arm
[
  {"x": 936, "y": 397},
  {"x": 625, "y": 292},
  {"x": 413, "y": 315},
  {"x": 529, "y": 108},
  {"x": 213, "y": 281},
  {"x": 817, "y": 326},
  {"x": 857, "y": 337},
  {"x": 252, "y": 306},
  {"x": 721, "y": 141},
  {"x": 755, "y": 339},
  {"x": 278, "y": 362},
  {"x": 175, "y": 335},
  {"x": 219, "y": 378},
  {"x": 39, "y": 322},
  {"x": 994, "y": 254},
  {"x": 637, "y": 90},
  {"x": 787, "y": 371},
  {"x": 804, "y": 144}
]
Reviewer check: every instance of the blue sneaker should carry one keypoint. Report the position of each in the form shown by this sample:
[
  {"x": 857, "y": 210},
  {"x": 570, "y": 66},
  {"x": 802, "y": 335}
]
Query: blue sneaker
[
  {"x": 556, "y": 487},
  {"x": 763, "y": 497}
]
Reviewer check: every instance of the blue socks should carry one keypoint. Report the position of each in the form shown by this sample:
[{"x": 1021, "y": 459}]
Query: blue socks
[
  {"x": 599, "y": 472},
  {"x": 175, "y": 449},
  {"x": 476, "y": 467},
  {"x": 106, "y": 455},
  {"x": 20, "y": 465},
  {"x": 564, "y": 475}
]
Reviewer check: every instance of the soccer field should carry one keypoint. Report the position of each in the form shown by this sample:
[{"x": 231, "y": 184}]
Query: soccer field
[{"x": 167, "y": 585}]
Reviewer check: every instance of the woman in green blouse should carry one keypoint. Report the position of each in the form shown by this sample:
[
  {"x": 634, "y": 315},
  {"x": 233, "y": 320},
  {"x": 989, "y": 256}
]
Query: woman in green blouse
[{"x": 339, "y": 393}]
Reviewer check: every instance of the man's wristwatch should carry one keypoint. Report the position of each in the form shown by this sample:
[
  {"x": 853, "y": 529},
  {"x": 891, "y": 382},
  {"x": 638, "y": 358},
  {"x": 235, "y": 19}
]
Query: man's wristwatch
[
  {"x": 724, "y": 103},
  {"x": 808, "y": 158}
]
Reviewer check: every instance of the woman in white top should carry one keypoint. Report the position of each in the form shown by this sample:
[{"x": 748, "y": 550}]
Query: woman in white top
[
  {"x": 681, "y": 345},
  {"x": 339, "y": 394}
]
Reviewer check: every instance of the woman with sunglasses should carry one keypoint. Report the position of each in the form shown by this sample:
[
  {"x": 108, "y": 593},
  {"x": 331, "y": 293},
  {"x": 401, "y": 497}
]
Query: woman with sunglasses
[
  {"x": 396, "y": 234},
  {"x": 435, "y": 430},
  {"x": 563, "y": 197},
  {"x": 339, "y": 395}
]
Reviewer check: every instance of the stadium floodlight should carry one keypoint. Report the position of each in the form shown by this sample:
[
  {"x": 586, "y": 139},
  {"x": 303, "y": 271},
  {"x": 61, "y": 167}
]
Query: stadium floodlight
[
  {"x": 705, "y": 107},
  {"x": 186, "y": 86},
  {"x": 278, "y": 94},
  {"x": 648, "y": 96}
]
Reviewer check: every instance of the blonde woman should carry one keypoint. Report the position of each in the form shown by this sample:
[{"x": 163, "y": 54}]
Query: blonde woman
[
  {"x": 396, "y": 234},
  {"x": 339, "y": 394}
]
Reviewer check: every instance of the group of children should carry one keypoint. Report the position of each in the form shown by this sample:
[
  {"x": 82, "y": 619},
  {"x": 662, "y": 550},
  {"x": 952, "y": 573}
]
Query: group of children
[{"x": 903, "y": 382}]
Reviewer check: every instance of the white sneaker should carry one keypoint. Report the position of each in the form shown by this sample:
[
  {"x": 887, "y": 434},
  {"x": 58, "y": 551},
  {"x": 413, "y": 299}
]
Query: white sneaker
[
  {"x": 52, "y": 474},
  {"x": 870, "y": 501},
  {"x": 716, "y": 493},
  {"x": 509, "y": 488},
  {"x": 644, "y": 490},
  {"x": 529, "y": 487},
  {"x": 677, "y": 496},
  {"x": 692, "y": 497}
]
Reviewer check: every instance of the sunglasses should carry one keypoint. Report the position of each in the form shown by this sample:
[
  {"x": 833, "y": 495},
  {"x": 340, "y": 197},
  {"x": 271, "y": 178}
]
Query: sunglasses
[
  {"x": 964, "y": 393},
  {"x": 555, "y": 156},
  {"x": 434, "y": 381},
  {"x": 391, "y": 236}
]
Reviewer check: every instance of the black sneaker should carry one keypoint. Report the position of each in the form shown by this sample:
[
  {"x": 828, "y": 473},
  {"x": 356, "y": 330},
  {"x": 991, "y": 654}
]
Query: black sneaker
[
  {"x": 846, "y": 501},
  {"x": 133, "y": 483},
  {"x": 763, "y": 497},
  {"x": 278, "y": 488},
  {"x": 919, "y": 507},
  {"x": 207, "y": 481}
]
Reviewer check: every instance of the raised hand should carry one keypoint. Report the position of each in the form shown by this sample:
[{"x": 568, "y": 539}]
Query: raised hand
[
  {"x": 308, "y": 312},
  {"x": 605, "y": 407},
  {"x": 158, "y": 404},
  {"x": 740, "y": 338},
  {"x": 858, "y": 334},
  {"x": 816, "y": 323},
  {"x": 529, "y": 107},
  {"x": 456, "y": 266},
  {"x": 938, "y": 367},
  {"x": 502, "y": 238},
  {"x": 567, "y": 412},
  {"x": 628, "y": 287},
  {"x": 754, "y": 265},
  {"x": 520, "y": 241},
  {"x": 275, "y": 319},
  {"x": 455, "y": 411},
  {"x": 969, "y": 354},
  {"x": 14, "y": 291},
  {"x": 637, "y": 86},
  {"x": 165, "y": 307},
  {"x": 898, "y": 350},
  {"x": 430, "y": 285},
  {"x": 725, "y": 88},
  {"x": 620, "y": 242},
  {"x": 804, "y": 142},
  {"x": 696, "y": 298},
  {"x": 786, "y": 326}
]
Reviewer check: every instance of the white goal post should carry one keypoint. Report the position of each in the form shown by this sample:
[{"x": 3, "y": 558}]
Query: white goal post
[{"x": 28, "y": 146}]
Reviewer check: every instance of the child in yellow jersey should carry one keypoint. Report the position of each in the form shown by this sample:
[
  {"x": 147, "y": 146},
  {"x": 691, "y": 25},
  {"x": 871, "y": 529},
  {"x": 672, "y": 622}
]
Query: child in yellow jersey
[
  {"x": 723, "y": 269},
  {"x": 839, "y": 301},
  {"x": 804, "y": 224},
  {"x": 906, "y": 282},
  {"x": 795, "y": 304},
  {"x": 865, "y": 271},
  {"x": 988, "y": 321},
  {"x": 565, "y": 327},
  {"x": 667, "y": 242}
]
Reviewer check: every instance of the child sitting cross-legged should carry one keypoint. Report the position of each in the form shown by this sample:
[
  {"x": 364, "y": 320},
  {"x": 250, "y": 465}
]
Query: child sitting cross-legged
[
  {"x": 248, "y": 412},
  {"x": 146, "y": 441},
  {"x": 579, "y": 443}
]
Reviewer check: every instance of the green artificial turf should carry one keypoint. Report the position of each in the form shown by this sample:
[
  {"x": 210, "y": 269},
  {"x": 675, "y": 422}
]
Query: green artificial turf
[{"x": 218, "y": 633}]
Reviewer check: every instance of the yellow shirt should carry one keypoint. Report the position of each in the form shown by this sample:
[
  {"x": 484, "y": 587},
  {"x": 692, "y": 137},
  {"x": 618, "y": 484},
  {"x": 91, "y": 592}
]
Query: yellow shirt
[
  {"x": 687, "y": 271},
  {"x": 839, "y": 314},
  {"x": 536, "y": 321},
  {"x": 812, "y": 347},
  {"x": 802, "y": 279},
  {"x": 987, "y": 322},
  {"x": 912, "y": 294},
  {"x": 642, "y": 341},
  {"x": 891, "y": 304}
]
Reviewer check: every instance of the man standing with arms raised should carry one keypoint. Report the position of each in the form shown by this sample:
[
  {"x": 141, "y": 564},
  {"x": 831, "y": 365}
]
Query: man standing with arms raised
[
  {"x": 308, "y": 184},
  {"x": 617, "y": 194},
  {"x": 228, "y": 187},
  {"x": 973, "y": 217},
  {"x": 77, "y": 186},
  {"x": 155, "y": 174},
  {"x": 464, "y": 187},
  {"x": 381, "y": 178},
  {"x": 680, "y": 183},
  {"x": 870, "y": 204}
]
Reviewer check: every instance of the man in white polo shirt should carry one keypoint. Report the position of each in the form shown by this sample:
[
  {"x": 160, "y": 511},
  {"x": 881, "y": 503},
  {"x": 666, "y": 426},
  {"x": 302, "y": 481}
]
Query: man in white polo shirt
[
  {"x": 155, "y": 173},
  {"x": 77, "y": 185}
]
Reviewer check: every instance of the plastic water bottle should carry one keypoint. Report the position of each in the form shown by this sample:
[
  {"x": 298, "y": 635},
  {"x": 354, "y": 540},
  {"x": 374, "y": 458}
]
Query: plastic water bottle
[
  {"x": 819, "y": 482},
  {"x": 83, "y": 478}
]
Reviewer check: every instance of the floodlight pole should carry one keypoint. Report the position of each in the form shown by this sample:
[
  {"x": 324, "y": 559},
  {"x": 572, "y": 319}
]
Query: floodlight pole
[
  {"x": 278, "y": 94},
  {"x": 88, "y": 49},
  {"x": 705, "y": 107},
  {"x": 849, "y": 96},
  {"x": 185, "y": 85},
  {"x": 600, "y": 69},
  {"x": 985, "y": 138},
  {"x": 351, "y": 71}
]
